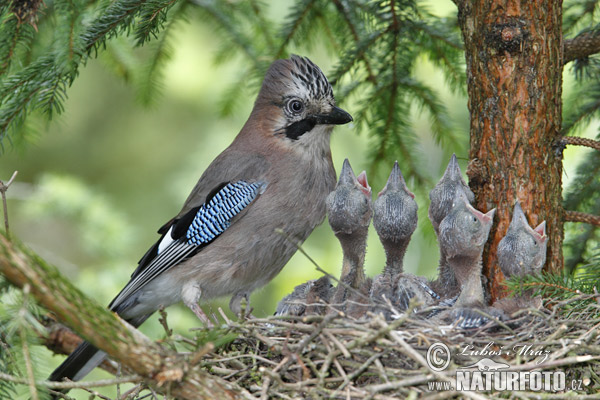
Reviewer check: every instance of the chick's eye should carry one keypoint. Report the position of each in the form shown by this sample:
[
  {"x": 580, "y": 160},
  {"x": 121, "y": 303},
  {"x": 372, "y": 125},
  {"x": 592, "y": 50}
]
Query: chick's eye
[{"x": 295, "y": 106}]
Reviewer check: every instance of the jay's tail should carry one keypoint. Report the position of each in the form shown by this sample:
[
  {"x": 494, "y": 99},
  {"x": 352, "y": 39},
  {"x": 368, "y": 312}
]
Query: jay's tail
[{"x": 84, "y": 359}]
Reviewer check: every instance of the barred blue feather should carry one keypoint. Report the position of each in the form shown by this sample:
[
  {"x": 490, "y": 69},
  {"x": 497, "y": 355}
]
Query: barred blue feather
[
  {"x": 215, "y": 216},
  {"x": 209, "y": 221},
  {"x": 429, "y": 290}
]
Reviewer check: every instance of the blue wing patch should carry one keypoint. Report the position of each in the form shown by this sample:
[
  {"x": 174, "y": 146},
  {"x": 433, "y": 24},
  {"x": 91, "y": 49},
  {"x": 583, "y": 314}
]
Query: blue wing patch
[
  {"x": 214, "y": 217},
  {"x": 187, "y": 235}
]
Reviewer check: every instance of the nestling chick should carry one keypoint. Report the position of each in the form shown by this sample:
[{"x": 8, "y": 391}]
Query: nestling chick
[
  {"x": 349, "y": 212},
  {"x": 443, "y": 197},
  {"x": 463, "y": 234},
  {"x": 308, "y": 298},
  {"x": 521, "y": 252},
  {"x": 395, "y": 220}
]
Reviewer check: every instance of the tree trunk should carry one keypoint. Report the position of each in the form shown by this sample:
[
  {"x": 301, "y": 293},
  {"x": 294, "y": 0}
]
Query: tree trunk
[{"x": 514, "y": 69}]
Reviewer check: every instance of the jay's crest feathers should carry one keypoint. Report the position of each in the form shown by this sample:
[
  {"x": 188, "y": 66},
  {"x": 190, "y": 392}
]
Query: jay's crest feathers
[{"x": 302, "y": 93}]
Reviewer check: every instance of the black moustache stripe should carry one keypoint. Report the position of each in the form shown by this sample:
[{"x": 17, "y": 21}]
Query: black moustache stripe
[{"x": 299, "y": 128}]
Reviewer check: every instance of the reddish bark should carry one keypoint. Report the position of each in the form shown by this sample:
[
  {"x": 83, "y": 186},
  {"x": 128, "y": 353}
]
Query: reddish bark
[{"x": 514, "y": 69}]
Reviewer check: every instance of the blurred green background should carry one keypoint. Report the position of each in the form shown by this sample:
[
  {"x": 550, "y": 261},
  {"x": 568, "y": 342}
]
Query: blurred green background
[{"x": 96, "y": 183}]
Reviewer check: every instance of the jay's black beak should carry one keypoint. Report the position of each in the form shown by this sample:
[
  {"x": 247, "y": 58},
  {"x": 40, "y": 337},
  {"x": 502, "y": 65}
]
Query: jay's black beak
[{"x": 337, "y": 116}]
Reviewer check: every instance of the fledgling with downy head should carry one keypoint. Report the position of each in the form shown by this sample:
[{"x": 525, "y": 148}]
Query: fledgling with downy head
[
  {"x": 395, "y": 219},
  {"x": 308, "y": 298},
  {"x": 443, "y": 198},
  {"x": 225, "y": 241},
  {"x": 463, "y": 234},
  {"x": 521, "y": 252},
  {"x": 349, "y": 212}
]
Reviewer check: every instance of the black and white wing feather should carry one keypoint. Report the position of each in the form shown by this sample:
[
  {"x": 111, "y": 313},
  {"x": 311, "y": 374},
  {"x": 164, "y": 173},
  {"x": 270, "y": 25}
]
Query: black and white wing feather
[{"x": 187, "y": 235}]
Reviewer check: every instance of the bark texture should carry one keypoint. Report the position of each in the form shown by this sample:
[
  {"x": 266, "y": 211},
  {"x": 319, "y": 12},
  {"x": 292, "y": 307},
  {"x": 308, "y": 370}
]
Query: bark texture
[
  {"x": 164, "y": 370},
  {"x": 514, "y": 69},
  {"x": 581, "y": 46}
]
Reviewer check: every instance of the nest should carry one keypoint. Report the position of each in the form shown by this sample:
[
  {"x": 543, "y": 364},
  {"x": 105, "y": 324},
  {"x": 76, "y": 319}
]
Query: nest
[{"x": 334, "y": 356}]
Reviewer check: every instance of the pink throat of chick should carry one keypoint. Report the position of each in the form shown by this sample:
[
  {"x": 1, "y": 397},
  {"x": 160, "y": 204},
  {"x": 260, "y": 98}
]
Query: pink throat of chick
[{"x": 364, "y": 184}]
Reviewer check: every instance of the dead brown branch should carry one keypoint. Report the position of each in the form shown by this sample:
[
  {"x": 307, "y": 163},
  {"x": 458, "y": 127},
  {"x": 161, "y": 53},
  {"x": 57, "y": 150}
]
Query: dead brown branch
[
  {"x": 576, "y": 216},
  {"x": 580, "y": 141}
]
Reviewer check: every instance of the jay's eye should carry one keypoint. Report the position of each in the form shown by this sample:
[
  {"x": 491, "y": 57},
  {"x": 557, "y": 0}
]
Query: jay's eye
[{"x": 295, "y": 106}]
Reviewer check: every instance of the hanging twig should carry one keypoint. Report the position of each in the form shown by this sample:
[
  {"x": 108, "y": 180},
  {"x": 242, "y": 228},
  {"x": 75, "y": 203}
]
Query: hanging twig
[{"x": 3, "y": 189}]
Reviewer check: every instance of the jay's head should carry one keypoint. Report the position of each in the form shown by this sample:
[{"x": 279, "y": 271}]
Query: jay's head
[
  {"x": 446, "y": 192},
  {"x": 296, "y": 102},
  {"x": 349, "y": 205},
  {"x": 465, "y": 230},
  {"x": 395, "y": 210},
  {"x": 523, "y": 250}
]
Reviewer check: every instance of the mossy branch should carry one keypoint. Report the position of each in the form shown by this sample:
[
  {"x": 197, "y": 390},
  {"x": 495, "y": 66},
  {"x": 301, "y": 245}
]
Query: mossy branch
[{"x": 164, "y": 370}]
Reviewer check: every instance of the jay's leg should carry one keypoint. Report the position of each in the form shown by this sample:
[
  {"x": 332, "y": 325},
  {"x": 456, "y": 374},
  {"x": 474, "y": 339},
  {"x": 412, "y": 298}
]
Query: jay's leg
[{"x": 191, "y": 294}]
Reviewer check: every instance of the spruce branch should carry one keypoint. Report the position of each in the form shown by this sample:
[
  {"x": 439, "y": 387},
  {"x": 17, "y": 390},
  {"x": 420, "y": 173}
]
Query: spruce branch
[
  {"x": 153, "y": 16},
  {"x": 583, "y": 114},
  {"x": 43, "y": 83},
  {"x": 582, "y": 197},
  {"x": 61, "y": 340},
  {"x": 577, "y": 245},
  {"x": 296, "y": 17},
  {"x": 350, "y": 59},
  {"x": 578, "y": 13},
  {"x": 105, "y": 330},
  {"x": 149, "y": 77},
  {"x": 345, "y": 13},
  {"x": 13, "y": 34},
  {"x": 231, "y": 27},
  {"x": 263, "y": 24}
]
